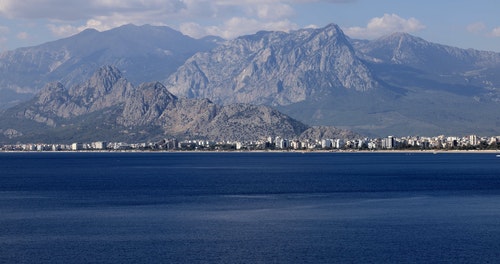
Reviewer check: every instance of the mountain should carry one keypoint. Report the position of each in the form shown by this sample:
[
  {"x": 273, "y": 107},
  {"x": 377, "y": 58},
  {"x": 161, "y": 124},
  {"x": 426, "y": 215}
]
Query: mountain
[
  {"x": 401, "y": 58},
  {"x": 142, "y": 53},
  {"x": 415, "y": 52},
  {"x": 399, "y": 84},
  {"x": 274, "y": 68},
  {"x": 108, "y": 107},
  {"x": 395, "y": 85}
]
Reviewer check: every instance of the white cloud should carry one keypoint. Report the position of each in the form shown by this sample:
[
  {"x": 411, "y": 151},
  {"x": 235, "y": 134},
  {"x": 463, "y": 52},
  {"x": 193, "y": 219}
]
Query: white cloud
[
  {"x": 40, "y": 9},
  {"x": 483, "y": 30},
  {"x": 247, "y": 17},
  {"x": 274, "y": 11},
  {"x": 196, "y": 18},
  {"x": 387, "y": 24},
  {"x": 477, "y": 27},
  {"x": 235, "y": 27},
  {"x": 101, "y": 24},
  {"x": 64, "y": 10},
  {"x": 62, "y": 30},
  {"x": 22, "y": 35},
  {"x": 226, "y": 18},
  {"x": 495, "y": 32},
  {"x": 193, "y": 29}
]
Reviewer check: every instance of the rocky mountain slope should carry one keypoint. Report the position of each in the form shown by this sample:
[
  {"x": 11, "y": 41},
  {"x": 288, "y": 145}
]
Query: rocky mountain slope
[
  {"x": 274, "y": 68},
  {"x": 108, "y": 107},
  {"x": 402, "y": 58},
  {"x": 415, "y": 52},
  {"x": 398, "y": 84},
  {"x": 142, "y": 53}
]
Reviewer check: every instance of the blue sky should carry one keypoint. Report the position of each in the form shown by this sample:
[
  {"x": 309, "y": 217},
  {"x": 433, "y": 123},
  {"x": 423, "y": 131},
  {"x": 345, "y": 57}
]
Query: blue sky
[{"x": 461, "y": 23}]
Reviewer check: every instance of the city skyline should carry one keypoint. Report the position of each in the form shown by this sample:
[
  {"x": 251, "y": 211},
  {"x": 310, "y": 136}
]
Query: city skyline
[{"x": 441, "y": 142}]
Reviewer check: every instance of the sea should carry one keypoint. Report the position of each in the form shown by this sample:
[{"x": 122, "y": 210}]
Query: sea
[{"x": 180, "y": 207}]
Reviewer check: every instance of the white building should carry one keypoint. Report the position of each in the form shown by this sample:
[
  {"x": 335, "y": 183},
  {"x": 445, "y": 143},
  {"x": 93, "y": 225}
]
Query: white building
[
  {"x": 326, "y": 143},
  {"x": 77, "y": 146},
  {"x": 388, "y": 143},
  {"x": 282, "y": 143},
  {"x": 473, "y": 140},
  {"x": 339, "y": 143},
  {"x": 239, "y": 145},
  {"x": 99, "y": 145}
]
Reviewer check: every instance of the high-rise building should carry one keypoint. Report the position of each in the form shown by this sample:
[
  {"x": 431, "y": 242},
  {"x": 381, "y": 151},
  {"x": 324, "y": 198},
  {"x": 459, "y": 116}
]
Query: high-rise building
[
  {"x": 388, "y": 143},
  {"x": 473, "y": 140}
]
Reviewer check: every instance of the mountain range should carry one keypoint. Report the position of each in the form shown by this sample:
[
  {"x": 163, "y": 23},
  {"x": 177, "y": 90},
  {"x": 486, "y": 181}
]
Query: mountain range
[
  {"x": 109, "y": 107},
  {"x": 396, "y": 85},
  {"x": 399, "y": 84},
  {"x": 144, "y": 53}
]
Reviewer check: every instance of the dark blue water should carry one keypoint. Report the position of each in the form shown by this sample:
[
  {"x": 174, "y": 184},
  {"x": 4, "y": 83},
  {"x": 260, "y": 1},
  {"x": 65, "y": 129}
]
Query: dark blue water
[{"x": 249, "y": 208}]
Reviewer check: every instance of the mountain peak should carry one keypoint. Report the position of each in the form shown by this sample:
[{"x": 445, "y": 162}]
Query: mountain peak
[
  {"x": 88, "y": 31},
  {"x": 146, "y": 27},
  {"x": 334, "y": 32},
  {"x": 274, "y": 68},
  {"x": 399, "y": 34},
  {"x": 402, "y": 37},
  {"x": 332, "y": 27},
  {"x": 105, "y": 77}
]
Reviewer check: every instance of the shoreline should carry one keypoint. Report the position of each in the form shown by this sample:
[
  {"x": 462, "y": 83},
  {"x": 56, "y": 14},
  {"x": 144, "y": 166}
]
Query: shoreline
[{"x": 488, "y": 151}]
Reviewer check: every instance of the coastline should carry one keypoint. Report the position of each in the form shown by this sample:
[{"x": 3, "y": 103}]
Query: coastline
[{"x": 487, "y": 151}]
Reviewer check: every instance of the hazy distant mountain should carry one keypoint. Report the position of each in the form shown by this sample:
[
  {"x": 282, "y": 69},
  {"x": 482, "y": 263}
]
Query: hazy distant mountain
[
  {"x": 408, "y": 50},
  {"x": 142, "y": 53},
  {"x": 108, "y": 107},
  {"x": 398, "y": 84},
  {"x": 402, "y": 58}
]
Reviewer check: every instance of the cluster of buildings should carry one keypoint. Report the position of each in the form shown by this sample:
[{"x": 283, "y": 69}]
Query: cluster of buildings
[
  {"x": 386, "y": 143},
  {"x": 278, "y": 143}
]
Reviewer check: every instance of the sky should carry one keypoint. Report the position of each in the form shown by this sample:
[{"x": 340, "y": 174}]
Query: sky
[{"x": 460, "y": 23}]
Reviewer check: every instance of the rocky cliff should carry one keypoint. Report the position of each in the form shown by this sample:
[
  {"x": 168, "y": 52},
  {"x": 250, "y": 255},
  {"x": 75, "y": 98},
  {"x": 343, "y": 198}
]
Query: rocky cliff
[
  {"x": 274, "y": 68},
  {"x": 108, "y": 107}
]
